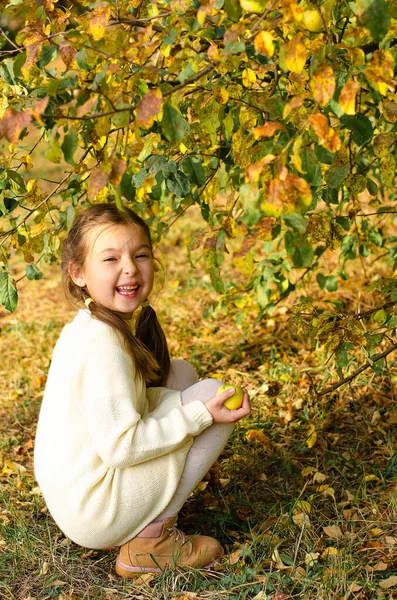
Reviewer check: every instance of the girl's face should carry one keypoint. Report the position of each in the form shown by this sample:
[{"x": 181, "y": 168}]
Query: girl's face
[{"x": 119, "y": 269}]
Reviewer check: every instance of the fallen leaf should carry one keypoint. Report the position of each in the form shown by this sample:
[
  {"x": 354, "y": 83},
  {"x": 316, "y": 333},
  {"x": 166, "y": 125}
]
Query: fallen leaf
[
  {"x": 311, "y": 558},
  {"x": 391, "y": 581},
  {"x": 333, "y": 531},
  {"x": 44, "y": 568},
  {"x": 380, "y": 566}
]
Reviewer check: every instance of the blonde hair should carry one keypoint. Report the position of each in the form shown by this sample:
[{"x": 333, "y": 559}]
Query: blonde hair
[{"x": 148, "y": 346}]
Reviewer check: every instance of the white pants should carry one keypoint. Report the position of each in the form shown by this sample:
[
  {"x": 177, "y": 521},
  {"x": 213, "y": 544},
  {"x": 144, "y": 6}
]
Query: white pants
[{"x": 207, "y": 446}]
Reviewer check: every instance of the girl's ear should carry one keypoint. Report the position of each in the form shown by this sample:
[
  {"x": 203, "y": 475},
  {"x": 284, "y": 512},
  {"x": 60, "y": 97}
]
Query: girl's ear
[{"x": 76, "y": 274}]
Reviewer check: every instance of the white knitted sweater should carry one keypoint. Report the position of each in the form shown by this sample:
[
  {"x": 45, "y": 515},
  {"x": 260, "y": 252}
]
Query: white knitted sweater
[{"x": 109, "y": 453}]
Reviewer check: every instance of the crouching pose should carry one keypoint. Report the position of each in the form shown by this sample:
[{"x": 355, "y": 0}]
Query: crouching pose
[{"x": 124, "y": 433}]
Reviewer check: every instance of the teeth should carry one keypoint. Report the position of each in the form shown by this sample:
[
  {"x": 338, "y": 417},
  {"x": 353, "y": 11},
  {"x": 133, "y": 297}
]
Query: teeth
[{"x": 128, "y": 288}]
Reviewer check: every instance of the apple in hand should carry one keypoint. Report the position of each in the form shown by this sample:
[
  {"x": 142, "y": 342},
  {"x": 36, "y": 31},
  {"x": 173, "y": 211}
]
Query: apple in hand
[{"x": 234, "y": 401}]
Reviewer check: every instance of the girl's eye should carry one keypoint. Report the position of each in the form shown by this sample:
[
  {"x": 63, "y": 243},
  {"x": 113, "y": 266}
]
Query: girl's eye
[
  {"x": 111, "y": 258},
  {"x": 142, "y": 255}
]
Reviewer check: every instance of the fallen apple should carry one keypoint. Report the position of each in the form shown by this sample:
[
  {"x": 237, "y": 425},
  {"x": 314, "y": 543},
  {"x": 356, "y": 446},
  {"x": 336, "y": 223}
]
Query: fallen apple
[{"x": 234, "y": 401}]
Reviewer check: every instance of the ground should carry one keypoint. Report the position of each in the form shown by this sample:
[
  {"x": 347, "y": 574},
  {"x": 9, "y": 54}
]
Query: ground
[{"x": 303, "y": 497}]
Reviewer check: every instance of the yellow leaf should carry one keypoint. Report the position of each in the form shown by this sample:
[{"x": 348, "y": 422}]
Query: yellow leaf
[
  {"x": 148, "y": 108},
  {"x": 254, "y": 171},
  {"x": 296, "y": 102},
  {"x": 268, "y": 129},
  {"x": 304, "y": 505},
  {"x": 249, "y": 78},
  {"x": 355, "y": 587},
  {"x": 327, "y": 136},
  {"x": 235, "y": 556},
  {"x": 311, "y": 558},
  {"x": 264, "y": 43},
  {"x": 98, "y": 22},
  {"x": 319, "y": 477},
  {"x": 379, "y": 71},
  {"x": 347, "y": 98},
  {"x": 44, "y": 568},
  {"x": 327, "y": 490},
  {"x": 323, "y": 84},
  {"x": 255, "y": 6},
  {"x": 245, "y": 264},
  {"x": 14, "y": 467},
  {"x": 330, "y": 552},
  {"x": 296, "y": 158},
  {"x": 312, "y": 436},
  {"x": 376, "y": 532},
  {"x": 307, "y": 471},
  {"x": 293, "y": 55}
]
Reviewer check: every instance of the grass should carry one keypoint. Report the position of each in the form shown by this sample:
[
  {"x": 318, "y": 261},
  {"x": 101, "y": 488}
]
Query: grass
[{"x": 296, "y": 521}]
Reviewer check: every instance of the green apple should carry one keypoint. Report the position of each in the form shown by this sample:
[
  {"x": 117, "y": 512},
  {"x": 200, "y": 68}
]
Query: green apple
[{"x": 234, "y": 401}]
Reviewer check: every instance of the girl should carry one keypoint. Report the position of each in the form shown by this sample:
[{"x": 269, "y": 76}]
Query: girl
[{"x": 119, "y": 448}]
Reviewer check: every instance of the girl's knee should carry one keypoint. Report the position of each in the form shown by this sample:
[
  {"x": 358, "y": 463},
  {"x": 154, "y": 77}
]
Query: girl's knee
[
  {"x": 182, "y": 375},
  {"x": 203, "y": 390}
]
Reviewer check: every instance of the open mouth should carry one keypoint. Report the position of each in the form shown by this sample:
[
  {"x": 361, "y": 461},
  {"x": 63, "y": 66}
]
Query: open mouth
[{"x": 127, "y": 290}]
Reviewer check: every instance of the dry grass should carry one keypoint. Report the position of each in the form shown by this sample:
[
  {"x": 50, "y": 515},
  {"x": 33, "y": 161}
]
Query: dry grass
[{"x": 297, "y": 522}]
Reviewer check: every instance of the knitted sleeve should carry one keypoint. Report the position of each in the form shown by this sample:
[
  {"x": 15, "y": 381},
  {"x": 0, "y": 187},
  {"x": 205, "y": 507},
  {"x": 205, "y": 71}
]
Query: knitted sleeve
[{"x": 114, "y": 406}]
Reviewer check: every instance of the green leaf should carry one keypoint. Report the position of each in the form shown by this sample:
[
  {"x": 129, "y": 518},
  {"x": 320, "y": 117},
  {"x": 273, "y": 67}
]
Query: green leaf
[
  {"x": 373, "y": 15},
  {"x": 349, "y": 246},
  {"x": 328, "y": 283},
  {"x": 139, "y": 177},
  {"x": 178, "y": 183},
  {"x": 69, "y": 146},
  {"x": 297, "y": 222},
  {"x": 54, "y": 153},
  {"x": 8, "y": 292},
  {"x": 7, "y": 205},
  {"x": 310, "y": 166},
  {"x": 298, "y": 249},
  {"x": 380, "y": 316},
  {"x": 47, "y": 54},
  {"x": 81, "y": 59},
  {"x": 33, "y": 272},
  {"x": 126, "y": 188},
  {"x": 324, "y": 156},
  {"x": 372, "y": 187},
  {"x": 233, "y": 10},
  {"x": 360, "y": 126},
  {"x": 122, "y": 118},
  {"x": 375, "y": 237},
  {"x": 173, "y": 125},
  {"x": 16, "y": 178},
  {"x": 336, "y": 175},
  {"x": 193, "y": 168}
]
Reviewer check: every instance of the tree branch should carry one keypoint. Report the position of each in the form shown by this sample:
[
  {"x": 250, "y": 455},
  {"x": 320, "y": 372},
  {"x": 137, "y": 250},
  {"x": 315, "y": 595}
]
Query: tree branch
[{"x": 368, "y": 364}]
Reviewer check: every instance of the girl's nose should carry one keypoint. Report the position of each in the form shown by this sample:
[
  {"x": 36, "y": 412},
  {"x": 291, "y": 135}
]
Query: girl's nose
[{"x": 129, "y": 267}]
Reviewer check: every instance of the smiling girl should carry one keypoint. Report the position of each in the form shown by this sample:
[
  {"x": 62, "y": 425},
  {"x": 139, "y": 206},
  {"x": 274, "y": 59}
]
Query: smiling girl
[{"x": 124, "y": 434}]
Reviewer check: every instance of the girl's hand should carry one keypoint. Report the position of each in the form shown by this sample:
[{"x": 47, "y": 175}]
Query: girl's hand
[{"x": 221, "y": 414}]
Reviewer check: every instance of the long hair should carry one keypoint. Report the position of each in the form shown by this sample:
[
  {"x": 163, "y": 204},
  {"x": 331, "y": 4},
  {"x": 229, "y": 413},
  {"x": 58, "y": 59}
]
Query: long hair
[{"x": 148, "y": 346}]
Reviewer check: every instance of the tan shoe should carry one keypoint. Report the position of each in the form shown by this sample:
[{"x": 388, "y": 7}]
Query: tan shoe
[{"x": 170, "y": 549}]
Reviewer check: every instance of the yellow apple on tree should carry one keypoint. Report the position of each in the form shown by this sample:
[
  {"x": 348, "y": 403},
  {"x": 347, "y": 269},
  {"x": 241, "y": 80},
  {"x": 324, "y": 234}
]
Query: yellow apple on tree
[
  {"x": 234, "y": 401},
  {"x": 311, "y": 20}
]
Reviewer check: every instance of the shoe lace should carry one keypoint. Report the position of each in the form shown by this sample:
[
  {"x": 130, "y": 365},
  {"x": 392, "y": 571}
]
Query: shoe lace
[{"x": 174, "y": 531}]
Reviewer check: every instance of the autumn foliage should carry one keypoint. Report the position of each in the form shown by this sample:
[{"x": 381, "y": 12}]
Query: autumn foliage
[{"x": 276, "y": 118}]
